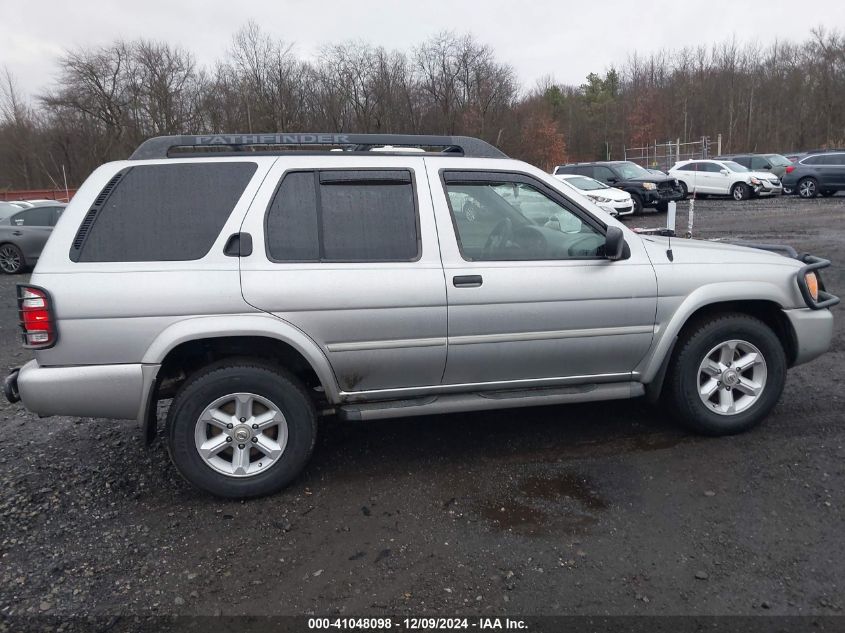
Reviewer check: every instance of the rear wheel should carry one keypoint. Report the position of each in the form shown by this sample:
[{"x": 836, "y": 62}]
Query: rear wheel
[
  {"x": 240, "y": 429},
  {"x": 726, "y": 375},
  {"x": 684, "y": 188},
  {"x": 740, "y": 191},
  {"x": 11, "y": 259},
  {"x": 808, "y": 188}
]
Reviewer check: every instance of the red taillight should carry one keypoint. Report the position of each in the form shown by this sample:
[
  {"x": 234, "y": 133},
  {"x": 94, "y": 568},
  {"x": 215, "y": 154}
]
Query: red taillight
[
  {"x": 790, "y": 169},
  {"x": 36, "y": 317}
]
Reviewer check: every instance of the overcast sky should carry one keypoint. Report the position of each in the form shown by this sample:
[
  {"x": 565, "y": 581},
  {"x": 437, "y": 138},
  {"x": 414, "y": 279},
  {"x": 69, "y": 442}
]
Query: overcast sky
[{"x": 538, "y": 37}]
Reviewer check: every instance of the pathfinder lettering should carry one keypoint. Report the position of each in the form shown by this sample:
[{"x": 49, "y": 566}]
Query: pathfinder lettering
[{"x": 272, "y": 139}]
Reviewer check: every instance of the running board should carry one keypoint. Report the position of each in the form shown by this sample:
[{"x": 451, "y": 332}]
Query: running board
[{"x": 506, "y": 399}]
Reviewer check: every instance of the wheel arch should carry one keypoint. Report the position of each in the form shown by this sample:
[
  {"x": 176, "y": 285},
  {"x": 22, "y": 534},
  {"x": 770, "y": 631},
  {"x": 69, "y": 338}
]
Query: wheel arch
[
  {"x": 193, "y": 343},
  {"x": 764, "y": 302}
]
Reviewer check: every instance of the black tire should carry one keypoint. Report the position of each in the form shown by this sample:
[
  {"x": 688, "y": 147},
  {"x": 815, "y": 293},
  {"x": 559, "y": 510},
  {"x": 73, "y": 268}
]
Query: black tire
[
  {"x": 233, "y": 376},
  {"x": 12, "y": 261},
  {"x": 682, "y": 380},
  {"x": 740, "y": 191},
  {"x": 828, "y": 194},
  {"x": 684, "y": 188},
  {"x": 808, "y": 188},
  {"x": 638, "y": 204},
  {"x": 662, "y": 207}
]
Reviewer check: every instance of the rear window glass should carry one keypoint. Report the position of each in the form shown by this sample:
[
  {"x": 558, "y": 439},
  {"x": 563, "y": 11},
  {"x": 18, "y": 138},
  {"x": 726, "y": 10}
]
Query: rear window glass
[
  {"x": 343, "y": 216},
  {"x": 166, "y": 212}
]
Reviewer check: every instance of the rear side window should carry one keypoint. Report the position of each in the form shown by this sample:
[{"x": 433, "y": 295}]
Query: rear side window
[
  {"x": 820, "y": 159},
  {"x": 37, "y": 216},
  {"x": 164, "y": 212},
  {"x": 343, "y": 216}
]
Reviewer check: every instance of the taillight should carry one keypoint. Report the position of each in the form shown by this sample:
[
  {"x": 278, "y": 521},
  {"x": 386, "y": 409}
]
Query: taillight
[
  {"x": 36, "y": 317},
  {"x": 790, "y": 169}
]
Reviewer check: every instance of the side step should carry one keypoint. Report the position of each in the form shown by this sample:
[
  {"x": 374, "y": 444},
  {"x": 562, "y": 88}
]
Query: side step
[{"x": 456, "y": 403}]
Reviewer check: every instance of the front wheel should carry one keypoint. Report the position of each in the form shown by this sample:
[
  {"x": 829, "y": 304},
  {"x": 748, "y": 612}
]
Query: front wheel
[
  {"x": 11, "y": 259},
  {"x": 638, "y": 204},
  {"x": 684, "y": 188},
  {"x": 239, "y": 429},
  {"x": 727, "y": 374},
  {"x": 740, "y": 191}
]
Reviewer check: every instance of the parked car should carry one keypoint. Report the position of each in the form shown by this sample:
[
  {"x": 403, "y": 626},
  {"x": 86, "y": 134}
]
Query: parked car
[
  {"x": 817, "y": 174},
  {"x": 774, "y": 163},
  {"x": 23, "y": 234},
  {"x": 259, "y": 290},
  {"x": 724, "y": 178},
  {"x": 646, "y": 188},
  {"x": 615, "y": 201}
]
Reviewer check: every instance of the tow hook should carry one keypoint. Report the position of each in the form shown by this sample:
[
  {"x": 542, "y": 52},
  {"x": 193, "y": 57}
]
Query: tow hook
[{"x": 10, "y": 386}]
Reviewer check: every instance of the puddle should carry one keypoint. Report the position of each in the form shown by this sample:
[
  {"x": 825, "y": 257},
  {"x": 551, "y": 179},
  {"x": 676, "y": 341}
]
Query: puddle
[
  {"x": 563, "y": 485},
  {"x": 564, "y": 502}
]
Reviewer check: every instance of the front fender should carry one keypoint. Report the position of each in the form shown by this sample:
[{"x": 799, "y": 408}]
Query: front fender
[
  {"x": 671, "y": 319},
  {"x": 264, "y": 325}
]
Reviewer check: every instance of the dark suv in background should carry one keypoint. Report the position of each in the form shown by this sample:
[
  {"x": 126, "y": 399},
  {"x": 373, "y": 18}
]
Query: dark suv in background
[
  {"x": 647, "y": 188},
  {"x": 817, "y": 174}
]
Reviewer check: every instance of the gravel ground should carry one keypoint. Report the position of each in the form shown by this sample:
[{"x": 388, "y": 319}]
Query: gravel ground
[{"x": 598, "y": 509}]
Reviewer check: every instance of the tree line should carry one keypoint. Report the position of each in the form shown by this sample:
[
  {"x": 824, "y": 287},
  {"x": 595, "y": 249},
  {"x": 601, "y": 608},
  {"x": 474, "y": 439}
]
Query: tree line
[{"x": 108, "y": 99}]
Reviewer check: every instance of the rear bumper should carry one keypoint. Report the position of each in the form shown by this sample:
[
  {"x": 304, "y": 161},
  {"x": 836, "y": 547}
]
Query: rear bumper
[
  {"x": 100, "y": 391},
  {"x": 813, "y": 332}
]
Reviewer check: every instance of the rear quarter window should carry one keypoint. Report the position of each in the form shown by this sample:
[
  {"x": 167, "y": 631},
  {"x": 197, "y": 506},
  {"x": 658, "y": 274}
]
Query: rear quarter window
[{"x": 164, "y": 212}]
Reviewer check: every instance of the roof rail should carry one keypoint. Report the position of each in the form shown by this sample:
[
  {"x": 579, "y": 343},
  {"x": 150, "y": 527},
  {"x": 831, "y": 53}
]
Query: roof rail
[{"x": 161, "y": 146}]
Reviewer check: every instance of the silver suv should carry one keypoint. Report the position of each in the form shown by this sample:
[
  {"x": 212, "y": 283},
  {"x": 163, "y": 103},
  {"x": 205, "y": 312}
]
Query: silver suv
[{"x": 262, "y": 288}]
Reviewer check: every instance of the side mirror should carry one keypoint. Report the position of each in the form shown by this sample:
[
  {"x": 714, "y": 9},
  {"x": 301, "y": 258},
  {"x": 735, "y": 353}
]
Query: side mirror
[
  {"x": 724, "y": 172},
  {"x": 767, "y": 166},
  {"x": 611, "y": 180},
  {"x": 614, "y": 243}
]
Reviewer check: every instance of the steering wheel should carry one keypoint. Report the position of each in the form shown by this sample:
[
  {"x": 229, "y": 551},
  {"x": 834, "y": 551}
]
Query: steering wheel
[{"x": 499, "y": 236}]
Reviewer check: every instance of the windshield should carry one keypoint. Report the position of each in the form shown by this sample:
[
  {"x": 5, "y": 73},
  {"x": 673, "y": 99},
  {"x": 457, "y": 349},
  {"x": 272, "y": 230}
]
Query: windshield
[
  {"x": 779, "y": 161},
  {"x": 734, "y": 166},
  {"x": 8, "y": 210},
  {"x": 584, "y": 183},
  {"x": 632, "y": 170}
]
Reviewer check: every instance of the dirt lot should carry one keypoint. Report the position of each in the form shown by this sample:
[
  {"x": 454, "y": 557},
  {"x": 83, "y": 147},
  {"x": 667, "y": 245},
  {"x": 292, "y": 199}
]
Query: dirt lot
[{"x": 595, "y": 509}]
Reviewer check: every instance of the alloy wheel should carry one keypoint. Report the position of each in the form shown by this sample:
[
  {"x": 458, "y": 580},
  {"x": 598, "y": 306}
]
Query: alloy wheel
[
  {"x": 807, "y": 188},
  {"x": 10, "y": 259},
  {"x": 241, "y": 434},
  {"x": 731, "y": 377}
]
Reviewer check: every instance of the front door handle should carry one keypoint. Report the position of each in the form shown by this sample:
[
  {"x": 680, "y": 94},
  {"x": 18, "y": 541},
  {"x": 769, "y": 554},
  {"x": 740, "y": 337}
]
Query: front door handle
[
  {"x": 17, "y": 232},
  {"x": 467, "y": 281}
]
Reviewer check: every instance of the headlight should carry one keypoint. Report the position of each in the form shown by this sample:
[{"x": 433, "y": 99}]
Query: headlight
[
  {"x": 755, "y": 181},
  {"x": 812, "y": 285},
  {"x": 598, "y": 198},
  {"x": 649, "y": 186}
]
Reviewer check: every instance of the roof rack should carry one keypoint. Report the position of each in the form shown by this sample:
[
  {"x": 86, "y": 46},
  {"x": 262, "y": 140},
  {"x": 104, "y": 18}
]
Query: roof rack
[{"x": 162, "y": 146}]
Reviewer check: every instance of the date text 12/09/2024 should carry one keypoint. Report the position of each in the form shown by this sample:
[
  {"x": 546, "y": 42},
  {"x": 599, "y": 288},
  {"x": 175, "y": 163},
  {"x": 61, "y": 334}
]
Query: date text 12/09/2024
[{"x": 417, "y": 624}]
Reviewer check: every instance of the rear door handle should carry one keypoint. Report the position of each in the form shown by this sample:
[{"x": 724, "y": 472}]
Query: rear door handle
[
  {"x": 467, "y": 281},
  {"x": 17, "y": 232}
]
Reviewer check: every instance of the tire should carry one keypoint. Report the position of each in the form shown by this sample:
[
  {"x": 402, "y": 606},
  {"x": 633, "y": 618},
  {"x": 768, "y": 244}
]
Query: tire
[
  {"x": 662, "y": 207},
  {"x": 788, "y": 191},
  {"x": 740, "y": 191},
  {"x": 638, "y": 204},
  {"x": 12, "y": 261},
  {"x": 684, "y": 188},
  {"x": 808, "y": 188},
  {"x": 828, "y": 194},
  {"x": 266, "y": 389},
  {"x": 688, "y": 375}
]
